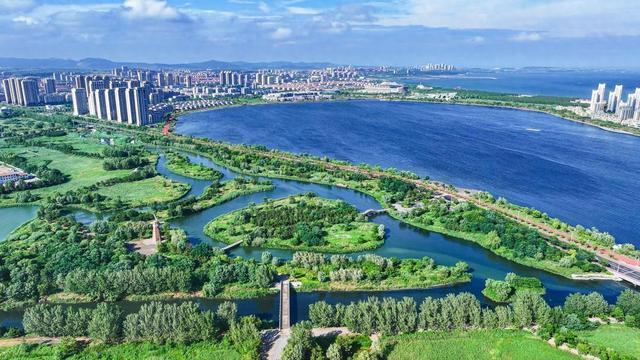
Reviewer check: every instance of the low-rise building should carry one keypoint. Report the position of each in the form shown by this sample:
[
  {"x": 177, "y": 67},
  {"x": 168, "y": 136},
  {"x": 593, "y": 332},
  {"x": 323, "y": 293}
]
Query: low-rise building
[{"x": 10, "y": 173}]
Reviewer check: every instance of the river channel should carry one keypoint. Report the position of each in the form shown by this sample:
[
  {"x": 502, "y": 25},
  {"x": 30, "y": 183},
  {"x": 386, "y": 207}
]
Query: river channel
[{"x": 401, "y": 241}]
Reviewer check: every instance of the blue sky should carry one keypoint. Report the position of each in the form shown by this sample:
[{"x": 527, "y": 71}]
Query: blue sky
[{"x": 488, "y": 33}]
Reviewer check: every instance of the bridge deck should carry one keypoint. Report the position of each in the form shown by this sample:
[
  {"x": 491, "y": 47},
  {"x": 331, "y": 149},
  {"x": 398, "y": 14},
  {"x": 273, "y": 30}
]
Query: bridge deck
[
  {"x": 285, "y": 305},
  {"x": 232, "y": 246}
]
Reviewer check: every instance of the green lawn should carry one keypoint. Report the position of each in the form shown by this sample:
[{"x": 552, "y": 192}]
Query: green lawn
[
  {"x": 476, "y": 345},
  {"x": 198, "y": 351},
  {"x": 156, "y": 189},
  {"x": 82, "y": 171},
  {"x": 621, "y": 338}
]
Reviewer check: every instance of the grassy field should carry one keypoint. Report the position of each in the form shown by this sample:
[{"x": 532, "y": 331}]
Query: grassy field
[
  {"x": 82, "y": 171},
  {"x": 156, "y": 189},
  {"x": 340, "y": 238},
  {"x": 198, "y": 351},
  {"x": 476, "y": 345},
  {"x": 621, "y": 338}
]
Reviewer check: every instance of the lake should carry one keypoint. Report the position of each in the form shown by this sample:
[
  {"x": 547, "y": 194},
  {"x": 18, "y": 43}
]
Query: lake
[
  {"x": 581, "y": 174},
  {"x": 13, "y": 217}
]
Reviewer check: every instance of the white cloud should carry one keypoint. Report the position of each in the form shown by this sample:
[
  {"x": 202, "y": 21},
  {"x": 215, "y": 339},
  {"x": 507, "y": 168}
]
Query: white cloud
[
  {"x": 264, "y": 7},
  {"x": 158, "y": 9},
  {"x": 476, "y": 39},
  {"x": 281, "y": 33},
  {"x": 16, "y": 4},
  {"x": 527, "y": 36},
  {"x": 566, "y": 18},
  {"x": 295, "y": 10},
  {"x": 27, "y": 20}
]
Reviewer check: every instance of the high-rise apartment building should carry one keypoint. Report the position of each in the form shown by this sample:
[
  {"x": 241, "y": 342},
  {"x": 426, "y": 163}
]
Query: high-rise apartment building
[
  {"x": 121, "y": 105},
  {"x": 80, "y": 101},
  {"x": 597, "y": 99},
  {"x": 136, "y": 106},
  {"x": 49, "y": 86},
  {"x": 615, "y": 97},
  {"x": 30, "y": 92}
]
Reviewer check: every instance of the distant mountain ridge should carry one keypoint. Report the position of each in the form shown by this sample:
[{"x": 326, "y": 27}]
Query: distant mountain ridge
[{"x": 8, "y": 63}]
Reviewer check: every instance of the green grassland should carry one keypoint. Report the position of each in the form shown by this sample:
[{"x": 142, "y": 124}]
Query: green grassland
[
  {"x": 157, "y": 189},
  {"x": 82, "y": 171},
  {"x": 349, "y": 236},
  {"x": 623, "y": 339},
  {"x": 196, "y": 351},
  {"x": 472, "y": 345},
  {"x": 181, "y": 165}
]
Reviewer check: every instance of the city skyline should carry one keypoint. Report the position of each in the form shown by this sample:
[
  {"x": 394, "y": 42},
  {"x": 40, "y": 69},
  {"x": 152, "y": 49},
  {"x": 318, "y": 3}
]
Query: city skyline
[{"x": 403, "y": 32}]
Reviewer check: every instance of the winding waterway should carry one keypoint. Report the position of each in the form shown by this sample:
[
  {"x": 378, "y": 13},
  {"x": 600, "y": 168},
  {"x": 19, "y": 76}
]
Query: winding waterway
[
  {"x": 401, "y": 241},
  {"x": 579, "y": 173},
  {"x": 422, "y": 150}
]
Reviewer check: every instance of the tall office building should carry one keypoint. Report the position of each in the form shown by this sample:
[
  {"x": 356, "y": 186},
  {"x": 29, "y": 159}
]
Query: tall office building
[
  {"x": 79, "y": 82},
  {"x": 615, "y": 97},
  {"x": 49, "y": 86},
  {"x": 80, "y": 101}
]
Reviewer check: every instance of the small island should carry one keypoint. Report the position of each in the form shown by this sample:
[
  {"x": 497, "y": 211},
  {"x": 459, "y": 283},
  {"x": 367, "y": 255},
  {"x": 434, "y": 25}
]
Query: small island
[
  {"x": 301, "y": 222},
  {"x": 181, "y": 165},
  {"x": 506, "y": 291},
  {"x": 318, "y": 272}
]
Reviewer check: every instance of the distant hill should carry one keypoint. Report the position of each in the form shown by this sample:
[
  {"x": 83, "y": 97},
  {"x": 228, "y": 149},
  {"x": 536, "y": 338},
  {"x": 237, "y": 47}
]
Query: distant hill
[{"x": 10, "y": 63}]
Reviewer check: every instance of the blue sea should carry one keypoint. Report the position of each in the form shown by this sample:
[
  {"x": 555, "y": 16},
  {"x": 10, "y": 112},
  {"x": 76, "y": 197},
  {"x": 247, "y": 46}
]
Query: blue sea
[
  {"x": 581, "y": 174},
  {"x": 572, "y": 83}
]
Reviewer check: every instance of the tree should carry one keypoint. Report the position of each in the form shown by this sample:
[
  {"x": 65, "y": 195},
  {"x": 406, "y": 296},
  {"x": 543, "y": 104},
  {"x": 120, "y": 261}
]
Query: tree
[
  {"x": 227, "y": 311},
  {"x": 300, "y": 343},
  {"x": 245, "y": 336},
  {"x": 497, "y": 290},
  {"x": 493, "y": 239},
  {"x": 266, "y": 257},
  {"x": 106, "y": 323},
  {"x": 334, "y": 352},
  {"x": 585, "y": 306},
  {"x": 530, "y": 309},
  {"x": 629, "y": 303},
  {"x": 322, "y": 314},
  {"x": 67, "y": 347}
]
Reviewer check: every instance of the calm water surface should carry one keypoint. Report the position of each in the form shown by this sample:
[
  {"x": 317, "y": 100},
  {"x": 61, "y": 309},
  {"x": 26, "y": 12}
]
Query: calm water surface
[
  {"x": 11, "y": 218},
  {"x": 578, "y": 173}
]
